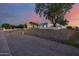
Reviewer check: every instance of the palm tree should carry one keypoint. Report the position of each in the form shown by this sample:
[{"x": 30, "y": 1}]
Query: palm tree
[{"x": 53, "y": 11}]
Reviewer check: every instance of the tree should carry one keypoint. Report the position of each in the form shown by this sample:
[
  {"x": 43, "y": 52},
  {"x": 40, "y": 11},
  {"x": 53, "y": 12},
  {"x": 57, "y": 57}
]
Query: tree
[
  {"x": 62, "y": 21},
  {"x": 20, "y": 26},
  {"x": 25, "y": 25},
  {"x": 53, "y": 11},
  {"x": 7, "y": 26}
]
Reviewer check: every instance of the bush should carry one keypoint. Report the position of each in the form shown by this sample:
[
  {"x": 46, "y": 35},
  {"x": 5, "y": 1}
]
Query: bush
[
  {"x": 76, "y": 28},
  {"x": 69, "y": 27},
  {"x": 7, "y": 26}
]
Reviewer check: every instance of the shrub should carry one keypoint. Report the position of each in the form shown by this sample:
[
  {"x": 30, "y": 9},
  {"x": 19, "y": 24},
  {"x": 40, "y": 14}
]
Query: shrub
[
  {"x": 69, "y": 27},
  {"x": 76, "y": 28}
]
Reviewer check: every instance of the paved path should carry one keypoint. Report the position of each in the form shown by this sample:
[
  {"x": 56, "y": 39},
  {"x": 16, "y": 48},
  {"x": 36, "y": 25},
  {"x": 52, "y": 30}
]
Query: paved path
[
  {"x": 4, "y": 49},
  {"x": 29, "y": 45}
]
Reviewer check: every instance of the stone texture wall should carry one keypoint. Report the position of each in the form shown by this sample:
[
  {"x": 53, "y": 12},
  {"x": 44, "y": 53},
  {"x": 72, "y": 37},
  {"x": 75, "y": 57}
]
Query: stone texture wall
[{"x": 55, "y": 35}]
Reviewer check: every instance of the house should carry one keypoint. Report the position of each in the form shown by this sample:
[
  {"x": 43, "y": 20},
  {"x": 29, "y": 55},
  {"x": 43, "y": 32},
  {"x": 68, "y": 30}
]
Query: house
[
  {"x": 37, "y": 25},
  {"x": 58, "y": 26},
  {"x": 44, "y": 25}
]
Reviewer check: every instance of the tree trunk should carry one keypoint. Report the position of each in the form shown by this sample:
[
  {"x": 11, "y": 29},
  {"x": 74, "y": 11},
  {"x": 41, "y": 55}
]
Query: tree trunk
[
  {"x": 54, "y": 21},
  {"x": 33, "y": 26},
  {"x": 54, "y": 24}
]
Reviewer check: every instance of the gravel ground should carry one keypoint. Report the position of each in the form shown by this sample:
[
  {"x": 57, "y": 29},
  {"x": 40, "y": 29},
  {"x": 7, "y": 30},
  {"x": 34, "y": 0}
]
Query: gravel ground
[{"x": 25, "y": 45}]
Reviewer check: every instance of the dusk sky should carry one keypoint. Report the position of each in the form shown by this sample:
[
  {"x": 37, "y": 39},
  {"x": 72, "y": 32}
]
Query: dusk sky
[
  {"x": 22, "y": 13},
  {"x": 73, "y": 15}
]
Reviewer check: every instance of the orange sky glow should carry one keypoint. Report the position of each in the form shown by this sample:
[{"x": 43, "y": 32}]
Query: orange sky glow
[{"x": 73, "y": 15}]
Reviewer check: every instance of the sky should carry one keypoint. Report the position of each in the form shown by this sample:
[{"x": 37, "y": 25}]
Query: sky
[
  {"x": 18, "y": 13},
  {"x": 73, "y": 15}
]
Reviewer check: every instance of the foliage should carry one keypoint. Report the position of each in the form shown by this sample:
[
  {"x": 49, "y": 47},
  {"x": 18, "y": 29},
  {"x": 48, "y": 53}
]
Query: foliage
[
  {"x": 53, "y": 11},
  {"x": 20, "y": 26},
  {"x": 69, "y": 27},
  {"x": 9, "y": 26},
  {"x": 76, "y": 28},
  {"x": 25, "y": 25},
  {"x": 62, "y": 22}
]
